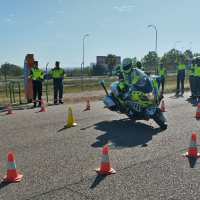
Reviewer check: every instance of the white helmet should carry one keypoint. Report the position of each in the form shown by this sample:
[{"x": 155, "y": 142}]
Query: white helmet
[{"x": 127, "y": 65}]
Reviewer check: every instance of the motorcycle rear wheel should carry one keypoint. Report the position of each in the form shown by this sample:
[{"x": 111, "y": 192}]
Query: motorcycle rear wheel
[{"x": 159, "y": 118}]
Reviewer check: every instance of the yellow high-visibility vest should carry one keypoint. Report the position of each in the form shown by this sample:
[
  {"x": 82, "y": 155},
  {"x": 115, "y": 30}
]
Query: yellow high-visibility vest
[{"x": 37, "y": 73}]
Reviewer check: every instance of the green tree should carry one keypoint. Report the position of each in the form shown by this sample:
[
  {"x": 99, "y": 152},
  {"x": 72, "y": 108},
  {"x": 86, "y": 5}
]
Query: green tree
[
  {"x": 134, "y": 61},
  {"x": 98, "y": 70},
  {"x": 168, "y": 58},
  {"x": 111, "y": 61},
  {"x": 148, "y": 61}
]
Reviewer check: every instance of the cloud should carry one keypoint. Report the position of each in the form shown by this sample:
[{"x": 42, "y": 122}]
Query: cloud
[
  {"x": 61, "y": 12},
  {"x": 110, "y": 18},
  {"x": 50, "y": 22},
  {"x": 124, "y": 8},
  {"x": 7, "y": 21}
]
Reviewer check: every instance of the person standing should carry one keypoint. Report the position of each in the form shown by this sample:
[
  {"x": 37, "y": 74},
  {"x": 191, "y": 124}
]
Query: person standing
[
  {"x": 181, "y": 74},
  {"x": 191, "y": 76},
  {"x": 197, "y": 79},
  {"x": 163, "y": 73},
  {"x": 37, "y": 78},
  {"x": 58, "y": 76},
  {"x": 139, "y": 66}
]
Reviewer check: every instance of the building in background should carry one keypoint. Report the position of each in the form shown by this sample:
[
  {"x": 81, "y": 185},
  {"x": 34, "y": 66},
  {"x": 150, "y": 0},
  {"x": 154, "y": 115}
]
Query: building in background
[{"x": 101, "y": 60}]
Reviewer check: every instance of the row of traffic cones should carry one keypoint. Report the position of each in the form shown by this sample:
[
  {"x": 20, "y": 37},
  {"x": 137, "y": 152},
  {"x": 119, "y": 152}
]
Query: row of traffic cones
[
  {"x": 13, "y": 176},
  {"x": 43, "y": 108},
  {"x": 105, "y": 169},
  {"x": 197, "y": 112}
]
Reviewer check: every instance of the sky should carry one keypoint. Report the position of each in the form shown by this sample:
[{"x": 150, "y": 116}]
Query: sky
[{"x": 53, "y": 30}]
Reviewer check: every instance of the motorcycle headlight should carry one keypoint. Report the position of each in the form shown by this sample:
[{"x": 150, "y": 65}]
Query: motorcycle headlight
[{"x": 151, "y": 96}]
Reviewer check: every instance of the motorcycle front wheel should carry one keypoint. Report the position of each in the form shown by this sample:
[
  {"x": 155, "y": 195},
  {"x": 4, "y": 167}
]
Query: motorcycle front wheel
[{"x": 159, "y": 118}]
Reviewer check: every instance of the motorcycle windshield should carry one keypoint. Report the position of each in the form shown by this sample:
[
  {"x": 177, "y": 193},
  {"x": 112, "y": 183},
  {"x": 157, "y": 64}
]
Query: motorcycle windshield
[{"x": 143, "y": 82}]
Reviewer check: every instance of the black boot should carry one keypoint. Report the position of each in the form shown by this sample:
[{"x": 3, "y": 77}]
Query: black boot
[
  {"x": 34, "y": 105},
  {"x": 55, "y": 103},
  {"x": 177, "y": 92},
  {"x": 60, "y": 101}
]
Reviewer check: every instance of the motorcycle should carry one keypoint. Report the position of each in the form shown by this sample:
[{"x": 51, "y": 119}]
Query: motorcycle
[{"x": 140, "y": 101}]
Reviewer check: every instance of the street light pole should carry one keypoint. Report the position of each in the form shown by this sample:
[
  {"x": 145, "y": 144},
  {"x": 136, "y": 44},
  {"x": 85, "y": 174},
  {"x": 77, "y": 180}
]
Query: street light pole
[
  {"x": 174, "y": 53},
  {"x": 190, "y": 45},
  {"x": 182, "y": 50},
  {"x": 156, "y": 46},
  {"x": 83, "y": 52}
]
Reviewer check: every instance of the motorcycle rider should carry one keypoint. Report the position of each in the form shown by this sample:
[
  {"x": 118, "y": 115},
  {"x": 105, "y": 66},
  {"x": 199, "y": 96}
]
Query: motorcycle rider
[
  {"x": 191, "y": 76},
  {"x": 128, "y": 76}
]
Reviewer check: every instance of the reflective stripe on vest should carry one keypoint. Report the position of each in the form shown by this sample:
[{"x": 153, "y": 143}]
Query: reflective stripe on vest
[
  {"x": 11, "y": 165},
  {"x": 36, "y": 73},
  {"x": 193, "y": 144},
  {"x": 191, "y": 70},
  {"x": 57, "y": 73},
  {"x": 161, "y": 71},
  {"x": 181, "y": 66},
  {"x": 197, "y": 71},
  {"x": 105, "y": 158}
]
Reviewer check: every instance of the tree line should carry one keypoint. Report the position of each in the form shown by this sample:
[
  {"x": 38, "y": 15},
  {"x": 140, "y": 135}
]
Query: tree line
[{"x": 148, "y": 62}]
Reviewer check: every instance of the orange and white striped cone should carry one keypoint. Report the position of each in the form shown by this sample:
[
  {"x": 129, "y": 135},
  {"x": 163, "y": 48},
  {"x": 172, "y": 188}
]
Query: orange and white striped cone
[
  {"x": 88, "y": 105},
  {"x": 163, "y": 106},
  {"x": 9, "y": 109},
  {"x": 192, "y": 152},
  {"x": 198, "y": 111},
  {"x": 105, "y": 164},
  {"x": 42, "y": 107},
  {"x": 70, "y": 120},
  {"x": 12, "y": 175}
]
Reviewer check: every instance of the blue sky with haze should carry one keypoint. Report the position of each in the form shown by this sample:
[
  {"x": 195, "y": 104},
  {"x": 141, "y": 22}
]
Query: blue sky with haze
[{"x": 54, "y": 29}]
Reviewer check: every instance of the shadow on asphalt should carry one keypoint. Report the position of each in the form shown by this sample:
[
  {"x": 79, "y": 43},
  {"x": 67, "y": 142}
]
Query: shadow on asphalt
[
  {"x": 192, "y": 162},
  {"x": 62, "y": 129},
  {"x": 177, "y": 96},
  {"x": 194, "y": 102},
  {"x": 124, "y": 133},
  {"x": 2, "y": 185},
  {"x": 97, "y": 180}
]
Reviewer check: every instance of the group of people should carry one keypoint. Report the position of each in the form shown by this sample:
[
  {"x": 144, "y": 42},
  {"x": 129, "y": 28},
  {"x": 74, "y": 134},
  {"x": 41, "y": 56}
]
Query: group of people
[
  {"x": 37, "y": 78},
  {"x": 126, "y": 71},
  {"x": 126, "y": 77}
]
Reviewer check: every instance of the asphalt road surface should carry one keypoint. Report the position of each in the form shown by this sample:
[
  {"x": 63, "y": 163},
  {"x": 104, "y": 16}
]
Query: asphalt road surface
[{"x": 59, "y": 163}]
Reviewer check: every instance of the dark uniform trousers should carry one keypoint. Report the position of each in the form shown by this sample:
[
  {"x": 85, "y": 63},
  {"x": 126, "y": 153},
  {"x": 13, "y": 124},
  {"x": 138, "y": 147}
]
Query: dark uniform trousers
[
  {"x": 180, "y": 79},
  {"x": 58, "y": 86},
  {"x": 191, "y": 80},
  {"x": 196, "y": 86},
  {"x": 162, "y": 81},
  {"x": 37, "y": 89}
]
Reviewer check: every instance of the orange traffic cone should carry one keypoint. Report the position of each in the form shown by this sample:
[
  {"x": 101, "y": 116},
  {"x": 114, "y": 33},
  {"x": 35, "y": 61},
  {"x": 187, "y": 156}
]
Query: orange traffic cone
[
  {"x": 12, "y": 175},
  {"x": 9, "y": 109},
  {"x": 88, "y": 105},
  {"x": 192, "y": 152},
  {"x": 105, "y": 164},
  {"x": 163, "y": 106},
  {"x": 42, "y": 107},
  {"x": 198, "y": 111}
]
